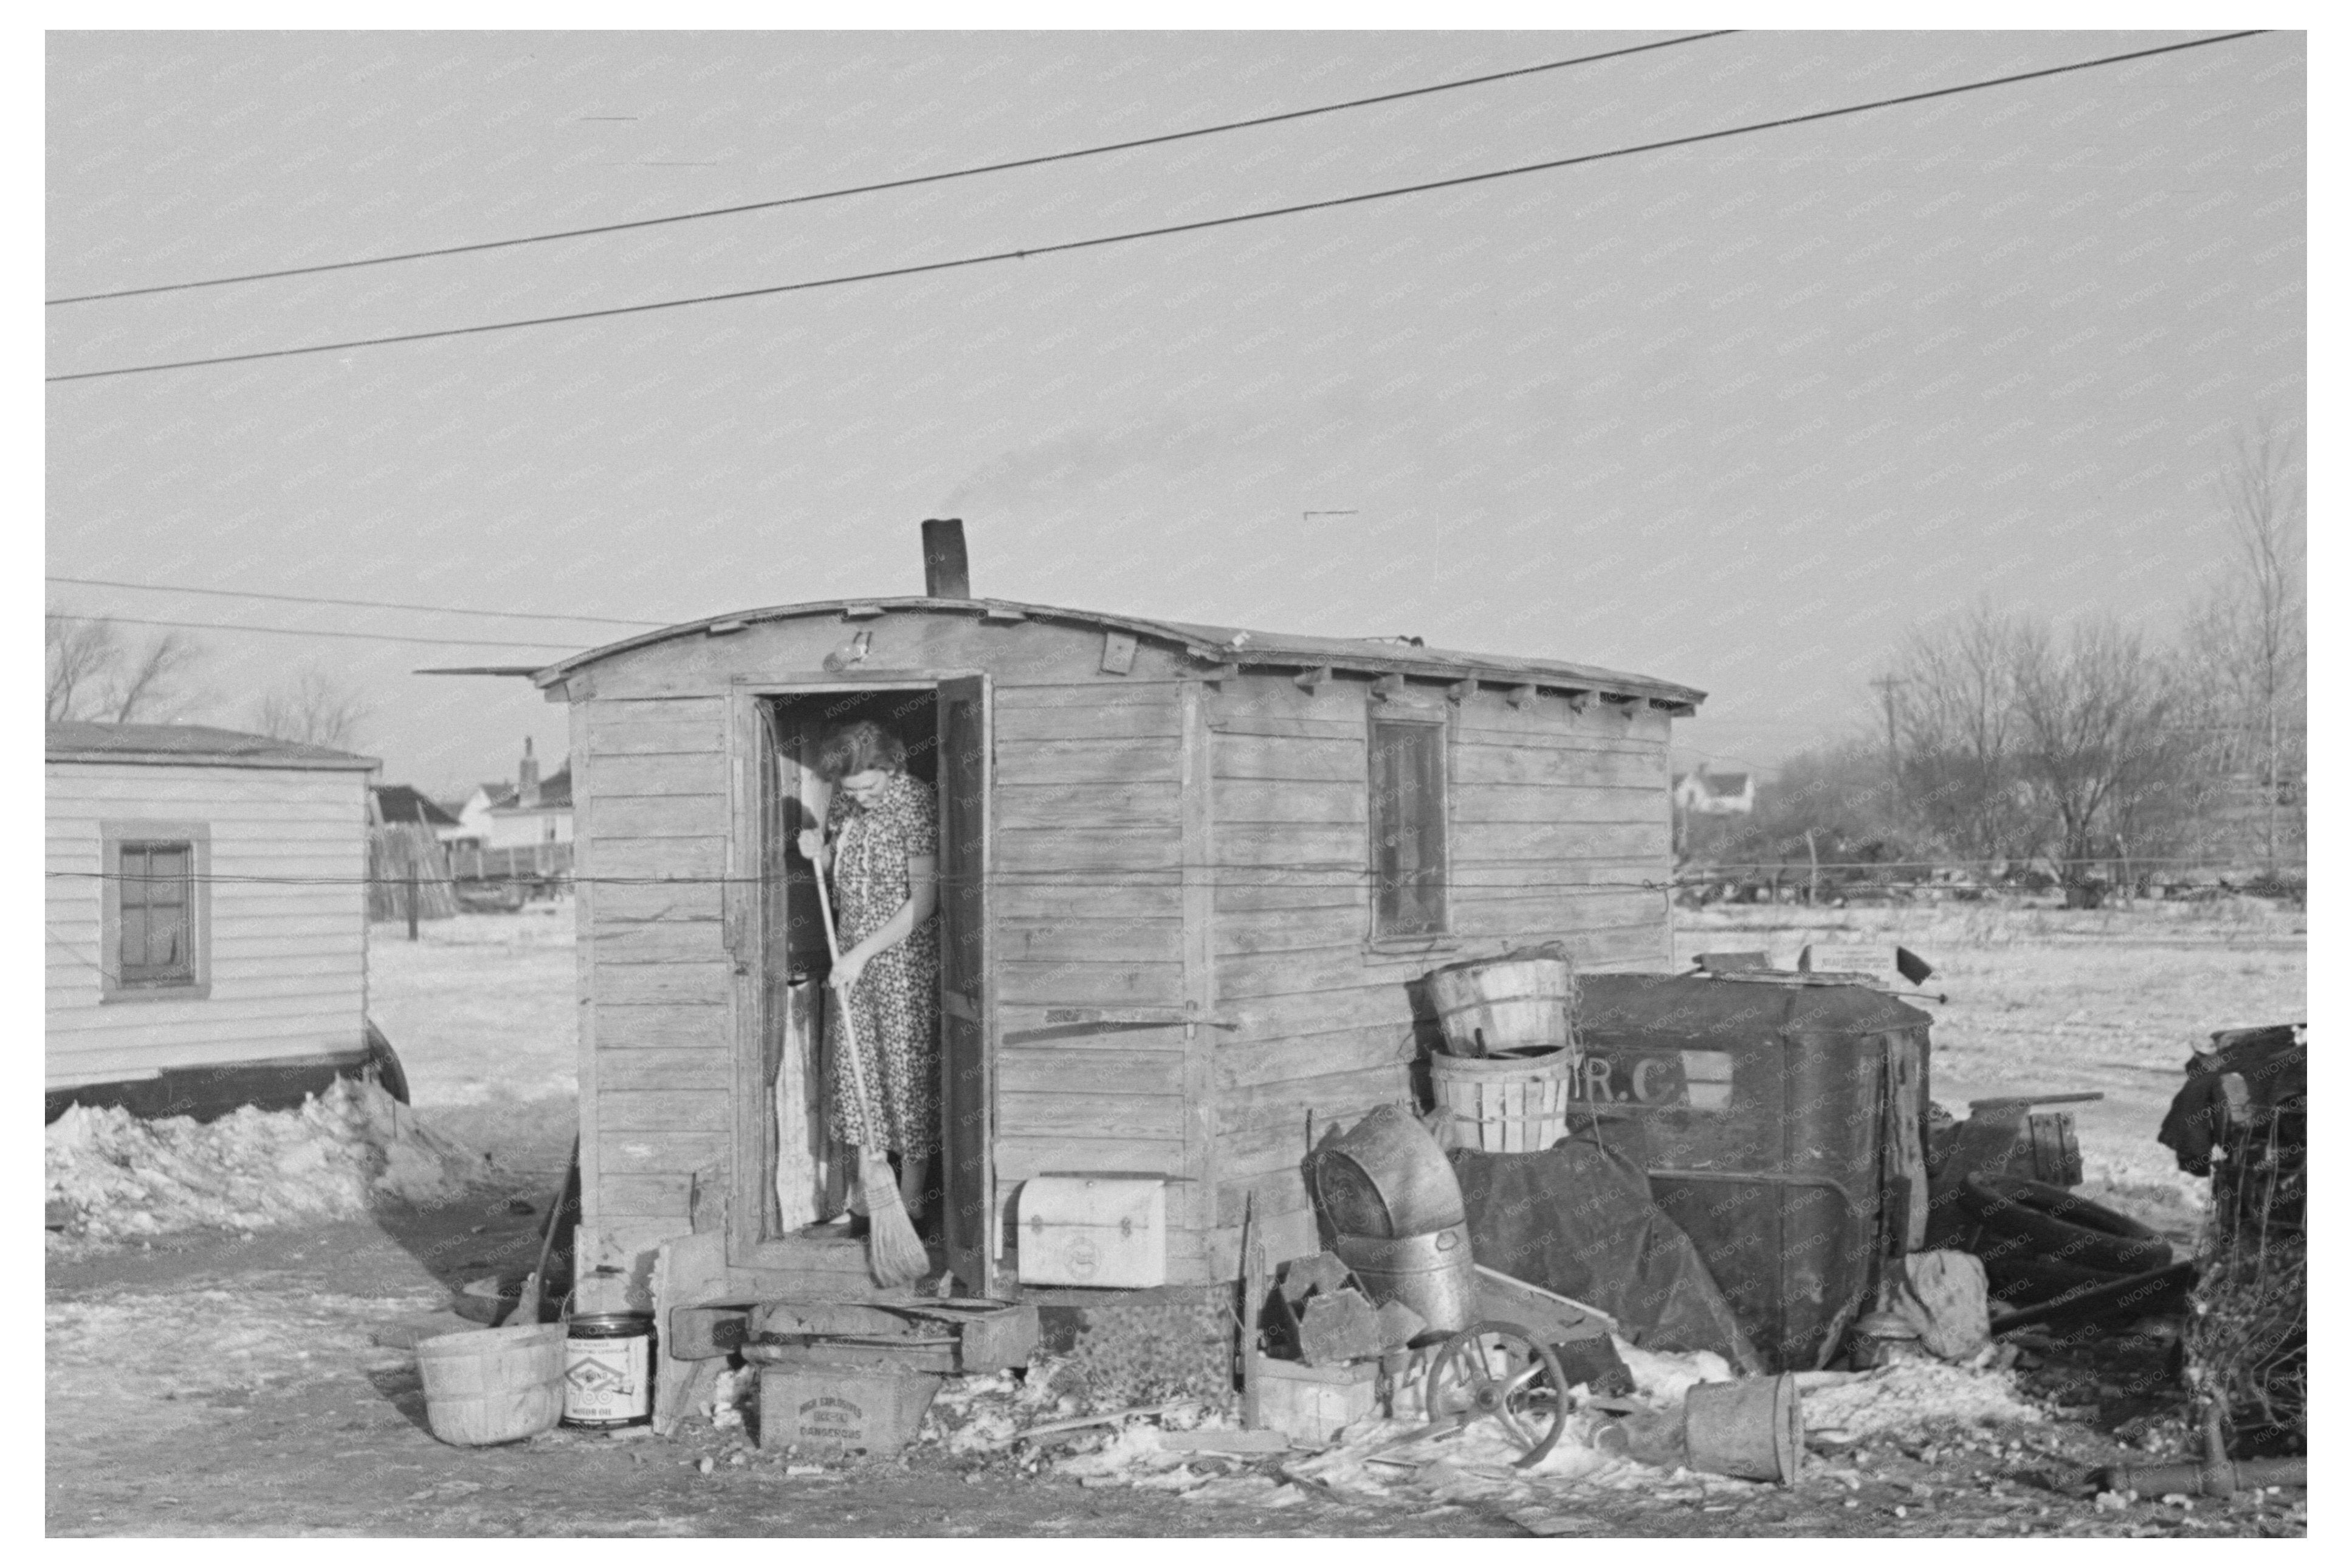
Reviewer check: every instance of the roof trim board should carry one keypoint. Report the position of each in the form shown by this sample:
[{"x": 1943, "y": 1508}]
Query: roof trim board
[{"x": 1213, "y": 646}]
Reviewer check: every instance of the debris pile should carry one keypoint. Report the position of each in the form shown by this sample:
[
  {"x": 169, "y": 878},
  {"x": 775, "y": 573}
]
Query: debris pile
[
  {"x": 112, "y": 1177},
  {"x": 1908, "y": 1397}
]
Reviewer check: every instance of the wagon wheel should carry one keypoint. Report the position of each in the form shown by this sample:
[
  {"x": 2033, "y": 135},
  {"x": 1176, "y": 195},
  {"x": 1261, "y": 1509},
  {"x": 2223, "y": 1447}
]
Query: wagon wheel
[{"x": 1498, "y": 1370}]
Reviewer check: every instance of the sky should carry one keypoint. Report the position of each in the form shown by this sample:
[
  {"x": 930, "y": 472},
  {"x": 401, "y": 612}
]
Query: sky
[{"x": 1740, "y": 415}]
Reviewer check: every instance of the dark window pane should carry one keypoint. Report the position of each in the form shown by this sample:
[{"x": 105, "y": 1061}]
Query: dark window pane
[{"x": 1408, "y": 821}]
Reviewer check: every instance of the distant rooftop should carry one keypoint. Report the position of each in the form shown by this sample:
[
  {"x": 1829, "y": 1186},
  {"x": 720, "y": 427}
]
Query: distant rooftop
[
  {"x": 402, "y": 803},
  {"x": 76, "y": 740}
]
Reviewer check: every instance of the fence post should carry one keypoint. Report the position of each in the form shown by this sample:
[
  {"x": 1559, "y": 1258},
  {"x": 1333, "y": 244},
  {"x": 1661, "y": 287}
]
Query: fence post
[{"x": 411, "y": 898}]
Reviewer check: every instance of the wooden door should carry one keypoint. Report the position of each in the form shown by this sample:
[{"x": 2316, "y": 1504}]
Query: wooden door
[{"x": 967, "y": 1016}]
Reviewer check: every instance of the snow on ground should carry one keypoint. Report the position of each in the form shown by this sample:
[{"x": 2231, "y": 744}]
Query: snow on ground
[
  {"x": 480, "y": 1009},
  {"x": 185, "y": 1357},
  {"x": 114, "y": 1177}
]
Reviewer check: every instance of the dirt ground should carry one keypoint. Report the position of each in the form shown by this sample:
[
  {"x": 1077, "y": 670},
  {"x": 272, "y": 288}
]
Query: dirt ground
[{"x": 234, "y": 1385}]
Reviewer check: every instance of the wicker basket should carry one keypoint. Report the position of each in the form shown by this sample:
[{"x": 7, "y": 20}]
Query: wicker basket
[
  {"x": 493, "y": 1386},
  {"x": 1517, "y": 1105}
]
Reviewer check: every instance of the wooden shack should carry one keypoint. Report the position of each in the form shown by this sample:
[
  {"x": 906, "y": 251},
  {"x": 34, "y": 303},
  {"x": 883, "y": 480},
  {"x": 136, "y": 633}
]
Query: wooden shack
[{"x": 1188, "y": 875}]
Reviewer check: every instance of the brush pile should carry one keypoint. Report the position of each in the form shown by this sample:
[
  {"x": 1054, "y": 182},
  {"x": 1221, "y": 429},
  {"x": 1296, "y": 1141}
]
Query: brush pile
[
  {"x": 2247, "y": 1338},
  {"x": 112, "y": 1177}
]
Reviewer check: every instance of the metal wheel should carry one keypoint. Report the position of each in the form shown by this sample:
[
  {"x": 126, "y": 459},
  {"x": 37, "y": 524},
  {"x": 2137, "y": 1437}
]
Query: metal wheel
[{"x": 1498, "y": 1370}]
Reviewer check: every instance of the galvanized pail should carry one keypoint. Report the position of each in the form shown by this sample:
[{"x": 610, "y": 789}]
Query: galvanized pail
[
  {"x": 1385, "y": 1176},
  {"x": 1751, "y": 1428},
  {"x": 1431, "y": 1273}
]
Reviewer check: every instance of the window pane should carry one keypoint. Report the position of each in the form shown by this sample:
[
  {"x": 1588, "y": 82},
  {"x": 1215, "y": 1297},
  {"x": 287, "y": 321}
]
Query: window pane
[
  {"x": 156, "y": 932},
  {"x": 1408, "y": 818}
]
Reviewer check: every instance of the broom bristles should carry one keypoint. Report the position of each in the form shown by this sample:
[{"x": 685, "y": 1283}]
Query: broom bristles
[{"x": 893, "y": 1249}]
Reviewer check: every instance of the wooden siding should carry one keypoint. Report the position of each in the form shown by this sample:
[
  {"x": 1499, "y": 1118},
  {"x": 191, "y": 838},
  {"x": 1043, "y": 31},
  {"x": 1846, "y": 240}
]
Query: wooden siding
[
  {"x": 1089, "y": 909},
  {"x": 1556, "y": 819},
  {"x": 658, "y": 1061},
  {"x": 287, "y": 961},
  {"x": 1146, "y": 856}
]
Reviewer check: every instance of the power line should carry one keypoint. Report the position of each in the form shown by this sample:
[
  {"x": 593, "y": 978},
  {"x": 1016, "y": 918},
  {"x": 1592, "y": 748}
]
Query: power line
[
  {"x": 918, "y": 268},
  {"x": 297, "y": 632},
  {"x": 352, "y": 604},
  {"x": 1161, "y": 140}
]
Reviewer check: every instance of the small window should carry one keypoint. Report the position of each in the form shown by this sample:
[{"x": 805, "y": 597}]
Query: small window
[
  {"x": 1408, "y": 818},
  {"x": 155, "y": 909}
]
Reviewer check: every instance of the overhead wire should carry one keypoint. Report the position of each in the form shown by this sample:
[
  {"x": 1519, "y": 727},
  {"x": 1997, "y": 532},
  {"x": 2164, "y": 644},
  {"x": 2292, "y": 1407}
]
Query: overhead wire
[
  {"x": 1197, "y": 225},
  {"x": 918, "y": 269},
  {"x": 351, "y": 604},
  {"x": 1002, "y": 166},
  {"x": 299, "y": 632}
]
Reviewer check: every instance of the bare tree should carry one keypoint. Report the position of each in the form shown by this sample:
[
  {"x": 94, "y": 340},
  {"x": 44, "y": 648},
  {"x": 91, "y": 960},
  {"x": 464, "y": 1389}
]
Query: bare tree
[
  {"x": 311, "y": 710},
  {"x": 94, "y": 674},
  {"x": 2250, "y": 636},
  {"x": 1959, "y": 731},
  {"x": 2097, "y": 744}
]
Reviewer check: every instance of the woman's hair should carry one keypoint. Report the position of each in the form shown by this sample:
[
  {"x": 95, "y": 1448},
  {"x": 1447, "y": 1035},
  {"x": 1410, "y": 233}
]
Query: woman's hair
[{"x": 860, "y": 747}]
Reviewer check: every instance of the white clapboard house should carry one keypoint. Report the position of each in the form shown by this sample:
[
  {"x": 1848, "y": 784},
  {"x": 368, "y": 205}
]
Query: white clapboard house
[{"x": 207, "y": 918}]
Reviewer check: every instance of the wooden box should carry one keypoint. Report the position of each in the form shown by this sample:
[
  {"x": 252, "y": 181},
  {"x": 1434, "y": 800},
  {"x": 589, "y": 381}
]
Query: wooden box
[
  {"x": 1310, "y": 1404},
  {"x": 837, "y": 1410},
  {"x": 1105, "y": 1231}
]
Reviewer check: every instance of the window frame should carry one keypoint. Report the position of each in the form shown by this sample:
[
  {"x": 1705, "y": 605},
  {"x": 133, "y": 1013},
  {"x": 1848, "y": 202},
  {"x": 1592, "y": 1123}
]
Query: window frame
[
  {"x": 114, "y": 837},
  {"x": 1392, "y": 711}
]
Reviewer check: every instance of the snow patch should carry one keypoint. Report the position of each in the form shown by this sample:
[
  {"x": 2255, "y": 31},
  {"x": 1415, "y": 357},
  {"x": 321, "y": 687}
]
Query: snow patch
[{"x": 117, "y": 1178}]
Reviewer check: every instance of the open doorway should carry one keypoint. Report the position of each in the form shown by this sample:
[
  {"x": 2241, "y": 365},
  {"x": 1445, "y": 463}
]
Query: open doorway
[
  {"x": 807, "y": 1171},
  {"x": 802, "y": 1174}
]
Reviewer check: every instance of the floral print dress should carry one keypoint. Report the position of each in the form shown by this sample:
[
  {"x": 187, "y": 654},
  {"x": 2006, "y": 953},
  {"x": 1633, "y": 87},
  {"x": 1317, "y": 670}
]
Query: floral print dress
[{"x": 895, "y": 1005}]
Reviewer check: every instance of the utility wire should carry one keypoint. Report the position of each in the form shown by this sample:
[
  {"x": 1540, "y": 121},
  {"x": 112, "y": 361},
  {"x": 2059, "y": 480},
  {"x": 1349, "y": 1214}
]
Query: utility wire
[
  {"x": 1096, "y": 152},
  {"x": 297, "y": 632},
  {"x": 352, "y": 603},
  {"x": 918, "y": 268}
]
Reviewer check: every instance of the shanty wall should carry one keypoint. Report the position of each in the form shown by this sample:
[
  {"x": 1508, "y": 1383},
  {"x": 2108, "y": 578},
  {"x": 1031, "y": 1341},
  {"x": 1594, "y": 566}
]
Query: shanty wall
[
  {"x": 1086, "y": 907},
  {"x": 1552, "y": 812},
  {"x": 1136, "y": 819},
  {"x": 286, "y": 959}
]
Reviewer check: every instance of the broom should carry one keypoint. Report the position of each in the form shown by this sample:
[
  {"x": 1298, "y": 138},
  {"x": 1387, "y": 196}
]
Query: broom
[{"x": 894, "y": 1252}]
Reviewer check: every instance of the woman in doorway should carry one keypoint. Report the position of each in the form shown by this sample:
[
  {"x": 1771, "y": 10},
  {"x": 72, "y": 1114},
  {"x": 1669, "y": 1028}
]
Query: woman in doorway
[{"x": 880, "y": 845}]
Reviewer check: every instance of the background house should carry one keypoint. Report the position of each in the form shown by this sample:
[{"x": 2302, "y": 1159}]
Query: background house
[
  {"x": 521, "y": 815},
  {"x": 206, "y": 916},
  {"x": 399, "y": 804},
  {"x": 1704, "y": 793}
]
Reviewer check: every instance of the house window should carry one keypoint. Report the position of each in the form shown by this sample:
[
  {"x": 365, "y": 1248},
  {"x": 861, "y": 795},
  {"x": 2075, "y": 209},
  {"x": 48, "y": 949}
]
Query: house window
[
  {"x": 1408, "y": 818},
  {"x": 154, "y": 909}
]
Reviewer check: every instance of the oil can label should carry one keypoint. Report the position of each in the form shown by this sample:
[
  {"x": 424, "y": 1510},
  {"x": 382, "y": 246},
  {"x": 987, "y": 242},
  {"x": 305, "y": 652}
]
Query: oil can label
[{"x": 607, "y": 1380}]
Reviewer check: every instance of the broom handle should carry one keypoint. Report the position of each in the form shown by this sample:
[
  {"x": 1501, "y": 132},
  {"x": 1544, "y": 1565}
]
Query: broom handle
[{"x": 848, "y": 1029}]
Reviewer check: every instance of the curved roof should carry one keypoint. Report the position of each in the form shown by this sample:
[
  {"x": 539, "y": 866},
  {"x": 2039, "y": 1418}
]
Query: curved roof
[{"x": 1211, "y": 645}]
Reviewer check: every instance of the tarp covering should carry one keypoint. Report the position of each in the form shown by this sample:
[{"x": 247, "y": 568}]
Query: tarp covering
[{"x": 1578, "y": 1219}]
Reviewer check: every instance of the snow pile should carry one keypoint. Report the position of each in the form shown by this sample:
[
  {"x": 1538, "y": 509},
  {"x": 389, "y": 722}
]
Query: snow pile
[
  {"x": 1915, "y": 1396},
  {"x": 1663, "y": 1377},
  {"x": 115, "y": 1177}
]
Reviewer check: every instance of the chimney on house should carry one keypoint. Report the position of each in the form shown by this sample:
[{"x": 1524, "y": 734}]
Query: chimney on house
[
  {"x": 527, "y": 778},
  {"x": 946, "y": 573}
]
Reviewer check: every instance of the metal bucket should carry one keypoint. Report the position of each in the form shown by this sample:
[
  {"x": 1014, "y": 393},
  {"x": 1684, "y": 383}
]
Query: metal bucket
[
  {"x": 1386, "y": 1176},
  {"x": 1751, "y": 1428},
  {"x": 1522, "y": 1001},
  {"x": 1432, "y": 1274},
  {"x": 608, "y": 1369}
]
